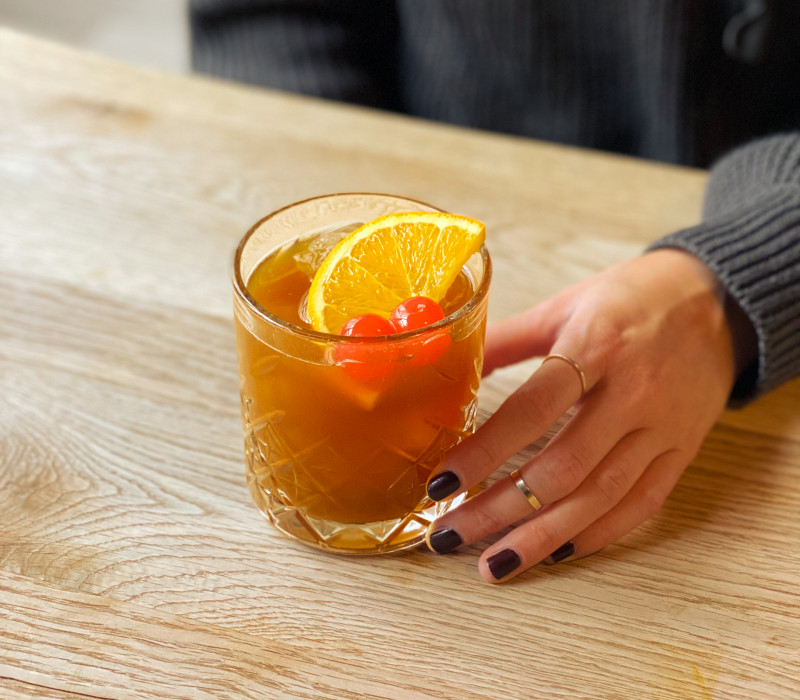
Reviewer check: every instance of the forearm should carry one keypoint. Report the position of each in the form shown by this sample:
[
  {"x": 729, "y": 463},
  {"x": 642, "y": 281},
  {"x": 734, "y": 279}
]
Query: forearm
[{"x": 750, "y": 239}]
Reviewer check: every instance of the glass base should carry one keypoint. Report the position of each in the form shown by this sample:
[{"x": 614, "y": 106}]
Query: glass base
[{"x": 348, "y": 538}]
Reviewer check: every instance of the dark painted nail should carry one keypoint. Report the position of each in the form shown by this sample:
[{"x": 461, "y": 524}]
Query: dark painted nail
[
  {"x": 565, "y": 550},
  {"x": 503, "y": 563},
  {"x": 442, "y": 485},
  {"x": 444, "y": 541}
]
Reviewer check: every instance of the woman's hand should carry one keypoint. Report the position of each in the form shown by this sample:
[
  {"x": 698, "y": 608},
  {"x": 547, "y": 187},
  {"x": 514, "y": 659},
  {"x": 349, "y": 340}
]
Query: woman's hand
[{"x": 653, "y": 342}]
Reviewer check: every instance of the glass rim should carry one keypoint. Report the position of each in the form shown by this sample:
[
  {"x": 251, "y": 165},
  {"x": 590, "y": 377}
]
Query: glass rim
[{"x": 240, "y": 287}]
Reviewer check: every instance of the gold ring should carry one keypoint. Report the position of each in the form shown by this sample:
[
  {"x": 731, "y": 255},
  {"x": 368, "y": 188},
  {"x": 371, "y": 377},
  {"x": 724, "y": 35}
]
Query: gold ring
[
  {"x": 522, "y": 486},
  {"x": 573, "y": 364}
]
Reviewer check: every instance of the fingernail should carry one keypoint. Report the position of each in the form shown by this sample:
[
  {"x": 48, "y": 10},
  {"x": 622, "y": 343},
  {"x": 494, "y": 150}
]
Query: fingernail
[
  {"x": 503, "y": 563},
  {"x": 565, "y": 550},
  {"x": 444, "y": 541},
  {"x": 442, "y": 485}
]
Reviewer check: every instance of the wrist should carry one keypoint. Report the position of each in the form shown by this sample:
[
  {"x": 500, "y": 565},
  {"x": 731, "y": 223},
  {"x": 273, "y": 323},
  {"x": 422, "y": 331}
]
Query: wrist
[{"x": 743, "y": 337}]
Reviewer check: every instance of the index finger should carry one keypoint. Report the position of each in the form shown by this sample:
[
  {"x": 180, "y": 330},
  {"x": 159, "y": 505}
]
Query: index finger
[
  {"x": 521, "y": 419},
  {"x": 529, "y": 334}
]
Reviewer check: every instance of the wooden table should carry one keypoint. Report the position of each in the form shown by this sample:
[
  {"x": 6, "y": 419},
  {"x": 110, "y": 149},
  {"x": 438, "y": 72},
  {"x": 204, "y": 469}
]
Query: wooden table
[{"x": 132, "y": 562}]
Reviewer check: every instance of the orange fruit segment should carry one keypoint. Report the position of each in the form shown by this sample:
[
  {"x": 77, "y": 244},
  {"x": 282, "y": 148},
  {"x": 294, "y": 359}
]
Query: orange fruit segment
[{"x": 388, "y": 260}]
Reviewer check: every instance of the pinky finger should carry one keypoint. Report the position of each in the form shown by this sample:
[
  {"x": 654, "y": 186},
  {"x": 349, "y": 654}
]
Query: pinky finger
[{"x": 642, "y": 502}]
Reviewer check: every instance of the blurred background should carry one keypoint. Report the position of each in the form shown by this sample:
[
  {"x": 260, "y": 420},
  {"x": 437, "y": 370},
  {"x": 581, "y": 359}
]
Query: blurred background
[{"x": 150, "y": 32}]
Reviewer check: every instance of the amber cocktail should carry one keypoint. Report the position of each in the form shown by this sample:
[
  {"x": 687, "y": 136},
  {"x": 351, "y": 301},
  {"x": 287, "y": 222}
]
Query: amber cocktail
[{"x": 341, "y": 434}]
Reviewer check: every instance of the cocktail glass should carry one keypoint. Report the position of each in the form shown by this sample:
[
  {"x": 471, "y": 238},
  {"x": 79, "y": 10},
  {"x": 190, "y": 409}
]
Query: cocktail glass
[{"x": 341, "y": 433}]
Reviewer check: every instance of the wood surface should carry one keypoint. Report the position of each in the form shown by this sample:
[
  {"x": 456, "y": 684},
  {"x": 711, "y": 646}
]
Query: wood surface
[{"x": 132, "y": 562}]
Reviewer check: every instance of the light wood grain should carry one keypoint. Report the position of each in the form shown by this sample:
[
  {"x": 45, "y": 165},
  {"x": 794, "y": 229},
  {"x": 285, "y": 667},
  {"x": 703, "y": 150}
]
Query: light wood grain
[
  {"x": 132, "y": 563},
  {"x": 100, "y": 647}
]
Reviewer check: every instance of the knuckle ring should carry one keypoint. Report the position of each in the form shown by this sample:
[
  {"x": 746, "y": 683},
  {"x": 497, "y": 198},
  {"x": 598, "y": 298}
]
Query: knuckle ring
[
  {"x": 571, "y": 363},
  {"x": 516, "y": 477}
]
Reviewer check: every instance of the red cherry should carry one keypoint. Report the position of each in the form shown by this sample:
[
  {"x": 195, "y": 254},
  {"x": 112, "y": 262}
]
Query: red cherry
[
  {"x": 367, "y": 325},
  {"x": 369, "y": 361},
  {"x": 415, "y": 313},
  {"x": 428, "y": 348}
]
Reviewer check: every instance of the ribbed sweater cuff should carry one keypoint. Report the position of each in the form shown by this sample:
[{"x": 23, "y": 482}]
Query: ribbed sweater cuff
[{"x": 754, "y": 250}]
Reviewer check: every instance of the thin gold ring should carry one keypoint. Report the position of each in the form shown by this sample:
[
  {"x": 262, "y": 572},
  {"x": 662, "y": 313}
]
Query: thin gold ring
[
  {"x": 573, "y": 364},
  {"x": 516, "y": 477}
]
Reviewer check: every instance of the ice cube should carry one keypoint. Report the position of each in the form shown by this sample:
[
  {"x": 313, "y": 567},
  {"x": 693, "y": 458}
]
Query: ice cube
[{"x": 319, "y": 246}]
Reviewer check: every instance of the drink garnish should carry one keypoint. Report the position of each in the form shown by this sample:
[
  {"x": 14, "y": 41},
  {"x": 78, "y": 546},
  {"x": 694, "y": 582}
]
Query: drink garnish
[
  {"x": 419, "y": 312},
  {"x": 366, "y": 363},
  {"x": 389, "y": 260}
]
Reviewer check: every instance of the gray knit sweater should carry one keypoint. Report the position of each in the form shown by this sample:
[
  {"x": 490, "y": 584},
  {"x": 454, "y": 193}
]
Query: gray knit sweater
[
  {"x": 750, "y": 238},
  {"x": 682, "y": 81}
]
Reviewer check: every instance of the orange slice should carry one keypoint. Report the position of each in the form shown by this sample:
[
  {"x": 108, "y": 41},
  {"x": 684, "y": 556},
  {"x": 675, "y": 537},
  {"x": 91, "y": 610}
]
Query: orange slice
[{"x": 388, "y": 260}]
